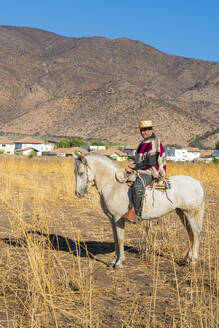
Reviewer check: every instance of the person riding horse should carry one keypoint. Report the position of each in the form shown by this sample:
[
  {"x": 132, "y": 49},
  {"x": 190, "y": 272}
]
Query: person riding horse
[{"x": 149, "y": 163}]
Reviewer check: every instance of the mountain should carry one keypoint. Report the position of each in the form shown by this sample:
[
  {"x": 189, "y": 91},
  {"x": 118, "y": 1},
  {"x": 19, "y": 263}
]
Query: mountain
[{"x": 51, "y": 85}]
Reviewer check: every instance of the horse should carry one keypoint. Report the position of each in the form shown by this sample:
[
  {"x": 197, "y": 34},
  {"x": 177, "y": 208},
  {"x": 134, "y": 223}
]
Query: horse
[{"x": 185, "y": 197}]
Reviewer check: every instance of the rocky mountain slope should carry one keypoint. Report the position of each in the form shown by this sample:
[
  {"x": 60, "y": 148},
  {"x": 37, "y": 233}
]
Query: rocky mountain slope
[{"x": 100, "y": 88}]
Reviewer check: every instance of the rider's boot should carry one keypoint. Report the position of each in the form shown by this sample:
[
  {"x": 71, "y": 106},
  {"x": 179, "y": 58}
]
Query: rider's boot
[{"x": 130, "y": 215}]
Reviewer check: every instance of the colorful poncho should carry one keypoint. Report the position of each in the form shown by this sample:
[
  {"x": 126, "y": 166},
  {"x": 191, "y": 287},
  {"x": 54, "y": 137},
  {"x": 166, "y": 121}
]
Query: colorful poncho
[{"x": 150, "y": 147}]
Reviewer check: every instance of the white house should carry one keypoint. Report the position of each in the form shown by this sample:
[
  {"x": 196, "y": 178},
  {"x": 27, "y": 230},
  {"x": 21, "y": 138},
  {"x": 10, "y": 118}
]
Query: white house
[
  {"x": 182, "y": 155},
  {"x": 7, "y": 146},
  {"x": 38, "y": 145},
  {"x": 193, "y": 154},
  {"x": 114, "y": 154},
  {"x": 91, "y": 148},
  {"x": 27, "y": 151},
  {"x": 170, "y": 154},
  {"x": 131, "y": 150}
]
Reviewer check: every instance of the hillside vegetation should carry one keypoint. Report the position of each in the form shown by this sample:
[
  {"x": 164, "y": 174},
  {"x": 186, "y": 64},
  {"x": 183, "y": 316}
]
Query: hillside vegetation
[
  {"x": 211, "y": 138},
  {"x": 100, "y": 88}
]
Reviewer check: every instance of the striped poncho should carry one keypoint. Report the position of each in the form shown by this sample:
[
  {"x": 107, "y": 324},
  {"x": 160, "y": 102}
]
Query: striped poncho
[{"x": 150, "y": 157}]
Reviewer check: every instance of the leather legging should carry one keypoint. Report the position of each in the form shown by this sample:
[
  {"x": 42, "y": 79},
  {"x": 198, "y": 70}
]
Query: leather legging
[{"x": 138, "y": 191}]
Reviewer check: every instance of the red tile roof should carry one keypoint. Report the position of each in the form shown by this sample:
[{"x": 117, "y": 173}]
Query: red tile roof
[
  {"x": 29, "y": 140},
  {"x": 110, "y": 152},
  {"x": 131, "y": 147},
  {"x": 206, "y": 153},
  {"x": 193, "y": 149},
  {"x": 6, "y": 141},
  {"x": 71, "y": 150}
]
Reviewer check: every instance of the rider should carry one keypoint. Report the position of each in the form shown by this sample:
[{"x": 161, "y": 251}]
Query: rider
[{"x": 149, "y": 163}]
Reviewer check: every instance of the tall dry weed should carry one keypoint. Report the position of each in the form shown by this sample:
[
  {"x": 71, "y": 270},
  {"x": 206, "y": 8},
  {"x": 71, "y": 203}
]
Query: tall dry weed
[{"x": 49, "y": 279}]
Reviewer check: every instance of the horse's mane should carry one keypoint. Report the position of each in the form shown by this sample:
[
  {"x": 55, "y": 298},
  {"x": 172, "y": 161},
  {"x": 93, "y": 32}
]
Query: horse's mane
[{"x": 102, "y": 158}]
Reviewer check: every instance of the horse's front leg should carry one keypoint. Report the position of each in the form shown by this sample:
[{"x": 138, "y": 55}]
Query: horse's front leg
[{"x": 118, "y": 227}]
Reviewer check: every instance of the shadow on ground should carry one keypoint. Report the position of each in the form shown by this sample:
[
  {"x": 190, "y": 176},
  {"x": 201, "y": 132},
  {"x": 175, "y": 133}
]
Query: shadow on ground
[
  {"x": 83, "y": 248},
  {"x": 87, "y": 249}
]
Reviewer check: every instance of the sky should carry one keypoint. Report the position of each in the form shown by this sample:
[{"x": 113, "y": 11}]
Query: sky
[{"x": 188, "y": 28}]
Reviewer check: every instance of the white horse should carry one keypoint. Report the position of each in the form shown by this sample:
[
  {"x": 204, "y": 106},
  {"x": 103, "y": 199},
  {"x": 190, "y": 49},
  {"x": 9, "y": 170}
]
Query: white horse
[{"x": 186, "y": 197}]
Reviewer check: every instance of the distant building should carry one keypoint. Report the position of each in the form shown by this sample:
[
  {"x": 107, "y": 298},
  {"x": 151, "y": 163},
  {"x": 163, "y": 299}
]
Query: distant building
[
  {"x": 193, "y": 154},
  {"x": 113, "y": 153},
  {"x": 131, "y": 150},
  {"x": 27, "y": 151},
  {"x": 7, "y": 146},
  {"x": 66, "y": 152},
  {"x": 170, "y": 154},
  {"x": 96, "y": 148},
  {"x": 39, "y": 145},
  {"x": 206, "y": 155},
  {"x": 85, "y": 147},
  {"x": 216, "y": 154},
  {"x": 182, "y": 155}
]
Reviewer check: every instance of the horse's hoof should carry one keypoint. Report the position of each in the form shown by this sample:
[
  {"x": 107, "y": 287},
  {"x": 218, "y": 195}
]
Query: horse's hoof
[
  {"x": 187, "y": 261},
  {"x": 118, "y": 265},
  {"x": 193, "y": 262},
  {"x": 183, "y": 262},
  {"x": 113, "y": 262}
]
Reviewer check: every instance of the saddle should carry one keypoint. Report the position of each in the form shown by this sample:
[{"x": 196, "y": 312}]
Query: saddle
[{"x": 123, "y": 177}]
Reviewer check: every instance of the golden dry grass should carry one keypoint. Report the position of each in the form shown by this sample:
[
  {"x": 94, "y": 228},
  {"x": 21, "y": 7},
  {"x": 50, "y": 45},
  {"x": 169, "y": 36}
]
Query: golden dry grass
[{"x": 54, "y": 250}]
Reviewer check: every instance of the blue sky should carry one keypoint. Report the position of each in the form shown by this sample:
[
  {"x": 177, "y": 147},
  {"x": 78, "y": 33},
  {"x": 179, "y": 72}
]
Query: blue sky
[{"x": 188, "y": 28}]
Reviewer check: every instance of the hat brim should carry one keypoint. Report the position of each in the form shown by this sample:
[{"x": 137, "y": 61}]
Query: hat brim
[{"x": 145, "y": 127}]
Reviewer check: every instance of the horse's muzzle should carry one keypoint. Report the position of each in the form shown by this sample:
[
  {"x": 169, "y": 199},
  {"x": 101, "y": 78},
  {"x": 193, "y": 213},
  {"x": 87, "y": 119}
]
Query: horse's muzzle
[{"x": 80, "y": 194}]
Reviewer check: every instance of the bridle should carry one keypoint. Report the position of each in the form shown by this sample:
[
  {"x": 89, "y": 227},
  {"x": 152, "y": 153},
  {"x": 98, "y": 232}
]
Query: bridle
[{"x": 84, "y": 161}]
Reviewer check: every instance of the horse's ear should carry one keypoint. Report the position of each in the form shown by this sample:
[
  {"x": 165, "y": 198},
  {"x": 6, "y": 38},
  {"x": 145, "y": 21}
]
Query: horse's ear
[{"x": 83, "y": 159}]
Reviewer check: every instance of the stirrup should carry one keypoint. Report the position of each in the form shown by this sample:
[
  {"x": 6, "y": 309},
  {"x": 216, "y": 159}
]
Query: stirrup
[{"x": 138, "y": 219}]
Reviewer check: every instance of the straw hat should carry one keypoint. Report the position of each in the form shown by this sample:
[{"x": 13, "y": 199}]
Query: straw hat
[{"x": 146, "y": 124}]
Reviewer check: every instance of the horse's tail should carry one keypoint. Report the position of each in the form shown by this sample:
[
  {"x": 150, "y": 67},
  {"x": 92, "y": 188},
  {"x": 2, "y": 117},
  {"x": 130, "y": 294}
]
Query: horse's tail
[{"x": 201, "y": 212}]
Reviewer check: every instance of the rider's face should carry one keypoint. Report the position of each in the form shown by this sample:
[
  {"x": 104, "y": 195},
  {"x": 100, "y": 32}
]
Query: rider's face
[{"x": 147, "y": 132}]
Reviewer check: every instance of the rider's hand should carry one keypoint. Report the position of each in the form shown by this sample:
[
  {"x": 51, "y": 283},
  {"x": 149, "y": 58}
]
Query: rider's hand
[{"x": 130, "y": 167}]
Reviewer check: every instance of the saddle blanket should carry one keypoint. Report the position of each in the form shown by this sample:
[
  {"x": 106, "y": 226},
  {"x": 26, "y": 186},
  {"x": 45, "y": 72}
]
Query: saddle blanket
[{"x": 160, "y": 184}]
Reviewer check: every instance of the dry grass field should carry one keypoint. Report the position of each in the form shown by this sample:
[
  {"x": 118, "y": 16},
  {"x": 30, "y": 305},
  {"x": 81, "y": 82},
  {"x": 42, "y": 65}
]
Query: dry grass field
[{"x": 55, "y": 249}]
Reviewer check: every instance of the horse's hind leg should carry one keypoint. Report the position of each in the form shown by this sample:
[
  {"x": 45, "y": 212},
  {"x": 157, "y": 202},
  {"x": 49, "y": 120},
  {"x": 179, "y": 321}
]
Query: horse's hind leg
[{"x": 193, "y": 224}]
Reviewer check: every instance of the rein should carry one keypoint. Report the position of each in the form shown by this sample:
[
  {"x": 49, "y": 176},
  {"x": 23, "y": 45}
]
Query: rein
[
  {"x": 88, "y": 181},
  {"x": 94, "y": 183}
]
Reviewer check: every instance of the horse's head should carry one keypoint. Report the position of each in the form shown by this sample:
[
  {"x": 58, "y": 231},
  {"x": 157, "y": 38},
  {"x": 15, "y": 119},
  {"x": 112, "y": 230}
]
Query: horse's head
[{"x": 83, "y": 176}]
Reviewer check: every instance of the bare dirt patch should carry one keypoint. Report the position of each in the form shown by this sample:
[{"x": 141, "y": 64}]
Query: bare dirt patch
[{"x": 55, "y": 252}]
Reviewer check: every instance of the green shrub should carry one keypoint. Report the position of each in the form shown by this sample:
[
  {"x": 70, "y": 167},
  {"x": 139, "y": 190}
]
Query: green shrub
[
  {"x": 71, "y": 142},
  {"x": 32, "y": 154},
  {"x": 97, "y": 143},
  {"x": 215, "y": 160},
  {"x": 217, "y": 145}
]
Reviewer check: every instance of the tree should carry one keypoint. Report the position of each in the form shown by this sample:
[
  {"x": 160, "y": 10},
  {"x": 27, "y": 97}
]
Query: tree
[
  {"x": 63, "y": 143},
  {"x": 74, "y": 142},
  {"x": 97, "y": 143}
]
